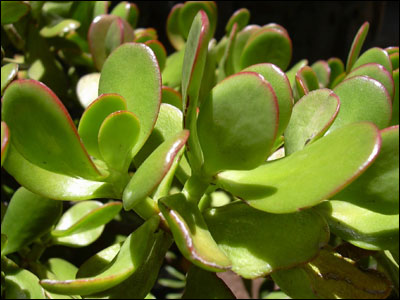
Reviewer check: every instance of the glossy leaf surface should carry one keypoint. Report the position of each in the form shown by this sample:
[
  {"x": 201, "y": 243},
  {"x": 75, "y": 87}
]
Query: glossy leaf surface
[
  {"x": 283, "y": 91},
  {"x": 12, "y": 11},
  {"x": 21, "y": 225},
  {"x": 43, "y": 131},
  {"x": 237, "y": 124},
  {"x": 127, "y": 11},
  {"x": 117, "y": 136},
  {"x": 87, "y": 88},
  {"x": 94, "y": 116},
  {"x": 278, "y": 44},
  {"x": 258, "y": 244},
  {"x": 127, "y": 63},
  {"x": 196, "y": 281},
  {"x": 61, "y": 268},
  {"x": 8, "y": 73},
  {"x": 173, "y": 29},
  {"x": 269, "y": 186},
  {"x": 374, "y": 55},
  {"x": 356, "y": 46},
  {"x": 241, "y": 17},
  {"x": 132, "y": 254},
  {"x": 59, "y": 29},
  {"x": 159, "y": 51},
  {"x": 362, "y": 99},
  {"x": 153, "y": 170},
  {"x": 311, "y": 118},
  {"x": 240, "y": 42},
  {"x": 191, "y": 233},
  {"x": 5, "y": 141}
]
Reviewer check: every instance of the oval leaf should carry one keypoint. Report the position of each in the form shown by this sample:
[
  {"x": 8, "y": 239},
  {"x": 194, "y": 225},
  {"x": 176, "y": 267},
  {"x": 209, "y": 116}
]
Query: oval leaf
[
  {"x": 330, "y": 167},
  {"x": 172, "y": 74},
  {"x": 356, "y": 46},
  {"x": 258, "y": 244},
  {"x": 237, "y": 124},
  {"x": 374, "y": 55},
  {"x": 306, "y": 81},
  {"x": 240, "y": 17},
  {"x": 171, "y": 96},
  {"x": 53, "y": 143},
  {"x": 173, "y": 29},
  {"x": 159, "y": 51},
  {"x": 191, "y": 233},
  {"x": 337, "y": 67},
  {"x": 127, "y": 11},
  {"x": 240, "y": 42},
  {"x": 323, "y": 72},
  {"x": 8, "y": 73},
  {"x": 87, "y": 88},
  {"x": 127, "y": 63},
  {"x": 12, "y": 11}
]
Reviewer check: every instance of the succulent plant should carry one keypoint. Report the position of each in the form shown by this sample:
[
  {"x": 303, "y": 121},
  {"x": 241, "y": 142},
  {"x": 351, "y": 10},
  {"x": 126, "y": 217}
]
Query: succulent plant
[{"x": 244, "y": 164}]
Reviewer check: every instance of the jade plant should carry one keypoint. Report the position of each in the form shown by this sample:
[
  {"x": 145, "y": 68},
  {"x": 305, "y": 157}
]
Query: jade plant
[{"x": 218, "y": 155}]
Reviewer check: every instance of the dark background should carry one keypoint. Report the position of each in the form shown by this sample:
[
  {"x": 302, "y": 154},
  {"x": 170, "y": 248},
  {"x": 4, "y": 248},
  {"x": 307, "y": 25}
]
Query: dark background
[{"x": 318, "y": 29}]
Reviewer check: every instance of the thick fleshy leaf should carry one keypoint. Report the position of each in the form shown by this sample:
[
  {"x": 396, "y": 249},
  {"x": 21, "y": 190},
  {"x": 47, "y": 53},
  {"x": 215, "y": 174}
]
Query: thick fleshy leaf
[
  {"x": 171, "y": 96},
  {"x": 131, "y": 256},
  {"x": 127, "y": 11},
  {"x": 311, "y": 118},
  {"x": 86, "y": 217},
  {"x": 43, "y": 131},
  {"x": 94, "y": 116},
  {"x": 240, "y": 42},
  {"x": 257, "y": 243},
  {"x": 5, "y": 141},
  {"x": 20, "y": 283},
  {"x": 192, "y": 73},
  {"x": 21, "y": 225},
  {"x": 191, "y": 233},
  {"x": 241, "y": 17},
  {"x": 362, "y": 99},
  {"x": 153, "y": 170},
  {"x": 173, "y": 29},
  {"x": 127, "y": 63},
  {"x": 269, "y": 186},
  {"x": 377, "y": 72},
  {"x": 374, "y": 55},
  {"x": 280, "y": 83},
  {"x": 198, "y": 279},
  {"x": 8, "y": 73},
  {"x": 306, "y": 81},
  {"x": 117, "y": 136},
  {"x": 226, "y": 64},
  {"x": 278, "y": 44},
  {"x": 159, "y": 51},
  {"x": 323, "y": 72},
  {"x": 331, "y": 276},
  {"x": 53, "y": 185},
  {"x": 395, "y": 107},
  {"x": 3, "y": 243},
  {"x": 12, "y": 11},
  {"x": 59, "y": 29},
  {"x": 101, "y": 42},
  {"x": 87, "y": 88},
  {"x": 356, "y": 46},
  {"x": 237, "y": 124},
  {"x": 291, "y": 74},
  {"x": 172, "y": 74},
  {"x": 337, "y": 67},
  {"x": 143, "y": 35},
  {"x": 61, "y": 268},
  {"x": 394, "y": 59}
]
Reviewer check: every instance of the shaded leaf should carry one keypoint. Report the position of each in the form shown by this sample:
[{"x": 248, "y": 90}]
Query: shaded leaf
[
  {"x": 240, "y": 42},
  {"x": 356, "y": 46},
  {"x": 12, "y": 11},
  {"x": 337, "y": 67},
  {"x": 241, "y": 17},
  {"x": 8, "y": 73},
  {"x": 306, "y": 81},
  {"x": 172, "y": 73},
  {"x": 159, "y": 52},
  {"x": 395, "y": 107},
  {"x": 59, "y": 29},
  {"x": 173, "y": 29},
  {"x": 171, "y": 96},
  {"x": 323, "y": 72}
]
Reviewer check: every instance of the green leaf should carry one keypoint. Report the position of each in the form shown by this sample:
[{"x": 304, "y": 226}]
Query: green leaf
[
  {"x": 331, "y": 276},
  {"x": 59, "y": 29},
  {"x": 106, "y": 33},
  {"x": 377, "y": 72},
  {"x": 153, "y": 170},
  {"x": 226, "y": 64},
  {"x": 12, "y": 11},
  {"x": 312, "y": 116},
  {"x": 8, "y": 73},
  {"x": 323, "y": 72},
  {"x": 85, "y": 216},
  {"x": 306, "y": 81},
  {"x": 267, "y": 44},
  {"x": 237, "y": 124},
  {"x": 131, "y": 256},
  {"x": 20, "y": 283},
  {"x": 337, "y": 67},
  {"x": 269, "y": 186},
  {"x": 291, "y": 74},
  {"x": 192, "y": 73},
  {"x": 191, "y": 233},
  {"x": 394, "y": 59},
  {"x": 172, "y": 74},
  {"x": 395, "y": 108},
  {"x": 87, "y": 88},
  {"x": 240, "y": 17},
  {"x": 61, "y": 269},
  {"x": 117, "y": 136},
  {"x": 374, "y": 55},
  {"x": 197, "y": 281},
  {"x": 94, "y": 116},
  {"x": 127, "y": 11},
  {"x": 53, "y": 143},
  {"x": 240, "y": 42},
  {"x": 362, "y": 99},
  {"x": 159, "y": 52},
  {"x": 257, "y": 243},
  {"x": 281, "y": 86},
  {"x": 127, "y": 63},
  {"x": 171, "y": 96},
  {"x": 5, "y": 141},
  {"x": 356, "y": 46},
  {"x": 53, "y": 185},
  {"x": 173, "y": 29},
  {"x": 21, "y": 225}
]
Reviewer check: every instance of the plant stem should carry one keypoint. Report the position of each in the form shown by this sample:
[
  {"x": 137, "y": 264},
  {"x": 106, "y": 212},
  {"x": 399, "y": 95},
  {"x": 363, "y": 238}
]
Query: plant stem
[{"x": 195, "y": 188}]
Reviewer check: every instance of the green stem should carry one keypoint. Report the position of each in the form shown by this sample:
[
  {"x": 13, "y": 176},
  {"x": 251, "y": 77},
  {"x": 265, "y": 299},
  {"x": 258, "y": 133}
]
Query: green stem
[
  {"x": 195, "y": 188},
  {"x": 146, "y": 208}
]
